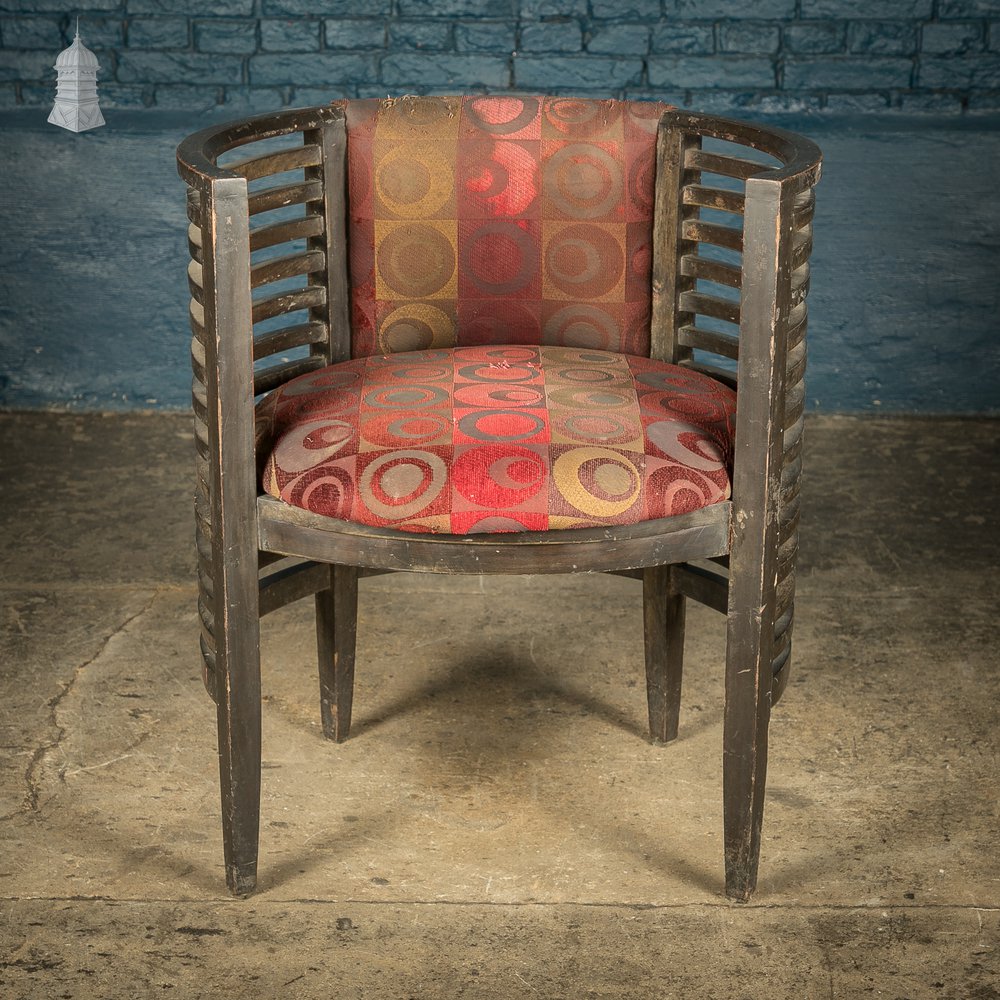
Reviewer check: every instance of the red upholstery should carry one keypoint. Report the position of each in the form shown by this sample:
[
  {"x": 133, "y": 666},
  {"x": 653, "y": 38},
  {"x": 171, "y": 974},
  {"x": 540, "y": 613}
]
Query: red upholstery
[
  {"x": 500, "y": 220},
  {"x": 513, "y": 438}
]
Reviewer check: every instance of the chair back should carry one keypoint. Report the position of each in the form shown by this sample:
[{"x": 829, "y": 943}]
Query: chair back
[{"x": 500, "y": 220}]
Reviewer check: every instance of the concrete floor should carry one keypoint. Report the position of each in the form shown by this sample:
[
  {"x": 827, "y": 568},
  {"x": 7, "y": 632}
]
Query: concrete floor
[{"x": 498, "y": 827}]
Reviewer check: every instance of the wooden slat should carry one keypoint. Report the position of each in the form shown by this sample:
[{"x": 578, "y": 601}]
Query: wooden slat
[
  {"x": 289, "y": 266},
  {"x": 703, "y": 304},
  {"x": 196, "y": 281},
  {"x": 196, "y": 315},
  {"x": 804, "y": 207},
  {"x": 703, "y": 586},
  {"x": 800, "y": 284},
  {"x": 285, "y": 232},
  {"x": 672, "y": 146},
  {"x": 286, "y": 302},
  {"x": 727, "y": 166},
  {"x": 336, "y": 312},
  {"x": 717, "y": 198},
  {"x": 693, "y": 266},
  {"x": 728, "y": 345},
  {"x": 708, "y": 232},
  {"x": 287, "y": 339},
  {"x": 193, "y": 206},
  {"x": 255, "y": 167},
  {"x": 291, "y": 583},
  {"x": 722, "y": 375},
  {"x": 802, "y": 245},
  {"x": 270, "y": 378},
  {"x": 283, "y": 195}
]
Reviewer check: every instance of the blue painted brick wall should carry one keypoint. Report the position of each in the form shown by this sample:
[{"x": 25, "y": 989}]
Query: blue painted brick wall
[{"x": 770, "y": 55}]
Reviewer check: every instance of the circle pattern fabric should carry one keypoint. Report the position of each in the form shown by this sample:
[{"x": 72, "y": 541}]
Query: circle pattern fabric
[
  {"x": 499, "y": 211},
  {"x": 498, "y": 438}
]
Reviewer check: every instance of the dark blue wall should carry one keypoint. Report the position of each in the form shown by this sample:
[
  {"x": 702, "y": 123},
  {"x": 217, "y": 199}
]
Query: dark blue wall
[
  {"x": 903, "y": 95},
  {"x": 845, "y": 55}
]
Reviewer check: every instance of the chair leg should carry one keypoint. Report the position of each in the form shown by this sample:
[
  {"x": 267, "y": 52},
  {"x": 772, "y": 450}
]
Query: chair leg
[
  {"x": 663, "y": 627},
  {"x": 238, "y": 711},
  {"x": 336, "y": 636},
  {"x": 747, "y": 714}
]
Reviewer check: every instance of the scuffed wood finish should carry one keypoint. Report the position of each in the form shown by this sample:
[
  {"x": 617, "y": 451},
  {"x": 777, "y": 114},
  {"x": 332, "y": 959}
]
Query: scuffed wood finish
[
  {"x": 296, "y": 532},
  {"x": 232, "y": 490},
  {"x": 336, "y": 635},
  {"x": 721, "y": 292},
  {"x": 332, "y": 173},
  {"x": 663, "y": 629}
]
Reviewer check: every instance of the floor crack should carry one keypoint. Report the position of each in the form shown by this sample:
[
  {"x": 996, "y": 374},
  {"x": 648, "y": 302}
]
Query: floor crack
[{"x": 30, "y": 802}]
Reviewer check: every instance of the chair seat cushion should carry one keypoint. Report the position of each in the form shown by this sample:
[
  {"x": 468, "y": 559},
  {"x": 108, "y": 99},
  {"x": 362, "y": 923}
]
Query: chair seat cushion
[{"x": 489, "y": 439}]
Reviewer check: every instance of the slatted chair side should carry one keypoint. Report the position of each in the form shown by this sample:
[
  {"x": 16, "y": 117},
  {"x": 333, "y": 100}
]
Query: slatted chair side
[
  {"x": 693, "y": 183},
  {"x": 308, "y": 178}
]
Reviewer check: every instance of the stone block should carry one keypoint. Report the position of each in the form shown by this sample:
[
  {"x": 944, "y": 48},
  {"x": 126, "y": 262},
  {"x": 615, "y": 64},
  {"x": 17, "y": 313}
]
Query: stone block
[
  {"x": 187, "y": 97},
  {"x": 936, "y": 103},
  {"x": 171, "y": 67},
  {"x": 705, "y": 9},
  {"x": 282, "y": 34},
  {"x": 968, "y": 8},
  {"x": 882, "y": 38},
  {"x": 455, "y": 8},
  {"x": 952, "y": 38},
  {"x": 619, "y": 39},
  {"x": 815, "y": 37},
  {"x": 752, "y": 37},
  {"x": 196, "y": 8},
  {"x": 627, "y": 10},
  {"x": 846, "y": 73},
  {"x": 544, "y": 36},
  {"x": 331, "y": 8},
  {"x": 95, "y": 32},
  {"x": 226, "y": 35},
  {"x": 157, "y": 33},
  {"x": 28, "y": 65},
  {"x": 539, "y": 9},
  {"x": 311, "y": 70},
  {"x": 490, "y": 36},
  {"x": 257, "y": 100},
  {"x": 683, "y": 38},
  {"x": 32, "y": 33},
  {"x": 977, "y": 71},
  {"x": 457, "y": 71},
  {"x": 124, "y": 95},
  {"x": 887, "y": 9},
  {"x": 55, "y": 6},
  {"x": 567, "y": 72},
  {"x": 856, "y": 103},
  {"x": 419, "y": 35},
  {"x": 726, "y": 72},
  {"x": 354, "y": 33}
]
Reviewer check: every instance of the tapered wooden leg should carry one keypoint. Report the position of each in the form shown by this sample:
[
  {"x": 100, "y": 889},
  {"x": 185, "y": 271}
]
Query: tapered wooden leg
[
  {"x": 238, "y": 658},
  {"x": 663, "y": 626},
  {"x": 748, "y": 712},
  {"x": 336, "y": 635}
]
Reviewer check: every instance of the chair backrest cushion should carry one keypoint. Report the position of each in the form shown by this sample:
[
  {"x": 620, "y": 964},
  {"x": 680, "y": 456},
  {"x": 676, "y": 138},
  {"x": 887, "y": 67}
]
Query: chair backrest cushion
[{"x": 500, "y": 220}]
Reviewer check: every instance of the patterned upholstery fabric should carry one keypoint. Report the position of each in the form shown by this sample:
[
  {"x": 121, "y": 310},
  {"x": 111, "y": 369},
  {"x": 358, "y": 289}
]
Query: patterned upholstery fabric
[
  {"x": 513, "y": 438},
  {"x": 500, "y": 220}
]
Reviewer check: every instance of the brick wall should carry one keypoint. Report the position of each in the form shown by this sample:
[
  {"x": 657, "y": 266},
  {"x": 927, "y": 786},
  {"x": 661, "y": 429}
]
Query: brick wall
[{"x": 765, "y": 55}]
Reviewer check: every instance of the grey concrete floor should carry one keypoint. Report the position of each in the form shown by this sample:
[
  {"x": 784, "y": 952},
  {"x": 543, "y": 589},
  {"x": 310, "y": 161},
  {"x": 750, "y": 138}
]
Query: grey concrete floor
[{"x": 498, "y": 826}]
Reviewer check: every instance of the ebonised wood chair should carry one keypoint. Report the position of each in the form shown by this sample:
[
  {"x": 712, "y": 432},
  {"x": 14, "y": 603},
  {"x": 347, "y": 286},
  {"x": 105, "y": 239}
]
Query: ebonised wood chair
[{"x": 498, "y": 335}]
